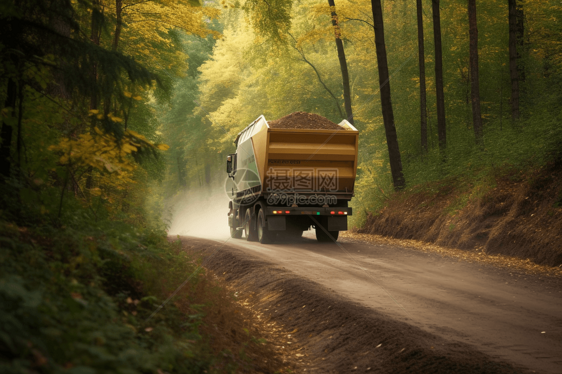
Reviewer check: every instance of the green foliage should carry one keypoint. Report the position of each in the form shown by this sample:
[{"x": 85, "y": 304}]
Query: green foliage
[
  {"x": 85, "y": 259},
  {"x": 185, "y": 126},
  {"x": 271, "y": 19},
  {"x": 71, "y": 301}
]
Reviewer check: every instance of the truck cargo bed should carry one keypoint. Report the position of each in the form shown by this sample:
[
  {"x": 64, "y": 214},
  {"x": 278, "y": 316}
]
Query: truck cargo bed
[{"x": 305, "y": 161}]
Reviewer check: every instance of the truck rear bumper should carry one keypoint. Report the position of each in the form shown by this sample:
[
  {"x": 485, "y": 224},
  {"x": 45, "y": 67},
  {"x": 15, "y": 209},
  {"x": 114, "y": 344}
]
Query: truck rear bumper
[
  {"x": 310, "y": 211},
  {"x": 281, "y": 218}
]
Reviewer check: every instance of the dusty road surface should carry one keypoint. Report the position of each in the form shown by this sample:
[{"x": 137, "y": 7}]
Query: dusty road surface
[{"x": 358, "y": 306}]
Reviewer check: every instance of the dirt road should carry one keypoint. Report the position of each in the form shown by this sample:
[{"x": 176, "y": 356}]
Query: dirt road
[{"x": 398, "y": 298}]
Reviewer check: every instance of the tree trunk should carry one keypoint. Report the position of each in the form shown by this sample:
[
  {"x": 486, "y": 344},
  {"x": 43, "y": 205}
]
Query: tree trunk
[
  {"x": 513, "y": 68},
  {"x": 114, "y": 45},
  {"x": 520, "y": 21},
  {"x": 7, "y": 131},
  {"x": 60, "y": 23},
  {"x": 441, "y": 123},
  {"x": 474, "y": 78},
  {"x": 343, "y": 63},
  {"x": 423, "y": 99},
  {"x": 181, "y": 172},
  {"x": 386, "y": 102},
  {"x": 118, "y": 24},
  {"x": 19, "y": 138},
  {"x": 95, "y": 38}
]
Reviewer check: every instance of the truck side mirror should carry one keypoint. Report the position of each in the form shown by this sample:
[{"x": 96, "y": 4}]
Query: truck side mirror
[{"x": 229, "y": 164}]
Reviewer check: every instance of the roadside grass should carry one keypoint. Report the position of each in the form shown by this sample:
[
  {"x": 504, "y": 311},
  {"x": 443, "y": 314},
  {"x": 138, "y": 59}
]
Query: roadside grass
[{"x": 71, "y": 302}]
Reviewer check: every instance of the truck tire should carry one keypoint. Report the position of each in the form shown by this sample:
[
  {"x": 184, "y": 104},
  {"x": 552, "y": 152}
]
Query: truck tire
[
  {"x": 249, "y": 227},
  {"x": 322, "y": 236},
  {"x": 264, "y": 235},
  {"x": 235, "y": 233}
]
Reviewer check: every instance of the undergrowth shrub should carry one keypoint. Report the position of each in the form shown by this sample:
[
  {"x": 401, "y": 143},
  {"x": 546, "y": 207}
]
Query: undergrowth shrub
[
  {"x": 83, "y": 291},
  {"x": 78, "y": 295}
]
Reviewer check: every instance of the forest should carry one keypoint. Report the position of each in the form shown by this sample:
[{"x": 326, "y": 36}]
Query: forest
[{"x": 110, "y": 110}]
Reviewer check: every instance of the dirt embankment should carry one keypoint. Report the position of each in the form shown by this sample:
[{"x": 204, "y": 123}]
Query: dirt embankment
[
  {"x": 515, "y": 214},
  {"x": 321, "y": 332}
]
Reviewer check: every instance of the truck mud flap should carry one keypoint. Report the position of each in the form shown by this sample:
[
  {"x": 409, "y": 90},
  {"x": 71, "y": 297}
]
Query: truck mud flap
[
  {"x": 337, "y": 223},
  {"x": 278, "y": 223}
]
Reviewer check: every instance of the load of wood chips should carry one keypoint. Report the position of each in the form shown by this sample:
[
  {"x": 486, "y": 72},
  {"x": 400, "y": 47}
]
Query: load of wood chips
[{"x": 303, "y": 120}]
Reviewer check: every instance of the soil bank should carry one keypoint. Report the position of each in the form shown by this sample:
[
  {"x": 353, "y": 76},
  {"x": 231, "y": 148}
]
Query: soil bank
[{"x": 513, "y": 213}]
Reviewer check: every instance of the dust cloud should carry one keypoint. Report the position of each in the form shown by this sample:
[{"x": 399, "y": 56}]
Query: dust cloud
[{"x": 200, "y": 212}]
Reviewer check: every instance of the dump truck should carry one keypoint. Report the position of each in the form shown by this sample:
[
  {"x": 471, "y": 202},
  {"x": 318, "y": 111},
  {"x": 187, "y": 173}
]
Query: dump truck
[{"x": 287, "y": 178}]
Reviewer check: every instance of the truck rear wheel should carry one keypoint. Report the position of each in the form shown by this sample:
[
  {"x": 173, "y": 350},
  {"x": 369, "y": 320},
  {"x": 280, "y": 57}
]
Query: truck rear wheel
[
  {"x": 326, "y": 236},
  {"x": 249, "y": 227},
  {"x": 264, "y": 235}
]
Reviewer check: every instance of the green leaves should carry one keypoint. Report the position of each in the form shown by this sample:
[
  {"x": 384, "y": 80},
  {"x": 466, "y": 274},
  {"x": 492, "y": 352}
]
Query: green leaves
[
  {"x": 54, "y": 314},
  {"x": 270, "y": 19}
]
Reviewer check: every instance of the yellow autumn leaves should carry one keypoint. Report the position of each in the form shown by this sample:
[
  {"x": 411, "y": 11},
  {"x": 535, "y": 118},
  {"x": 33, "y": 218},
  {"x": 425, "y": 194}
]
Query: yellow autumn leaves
[
  {"x": 130, "y": 95},
  {"x": 110, "y": 116},
  {"x": 104, "y": 152}
]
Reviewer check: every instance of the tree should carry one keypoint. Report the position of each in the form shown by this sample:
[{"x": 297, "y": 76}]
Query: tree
[
  {"x": 474, "y": 77},
  {"x": 304, "y": 59},
  {"x": 7, "y": 130},
  {"x": 343, "y": 62},
  {"x": 513, "y": 68},
  {"x": 386, "y": 102},
  {"x": 441, "y": 123},
  {"x": 95, "y": 31},
  {"x": 423, "y": 99},
  {"x": 270, "y": 18}
]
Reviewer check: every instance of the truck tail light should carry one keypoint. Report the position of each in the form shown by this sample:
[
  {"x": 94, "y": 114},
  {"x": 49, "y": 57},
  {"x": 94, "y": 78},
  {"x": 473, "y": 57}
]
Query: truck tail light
[
  {"x": 287, "y": 212},
  {"x": 332, "y": 212}
]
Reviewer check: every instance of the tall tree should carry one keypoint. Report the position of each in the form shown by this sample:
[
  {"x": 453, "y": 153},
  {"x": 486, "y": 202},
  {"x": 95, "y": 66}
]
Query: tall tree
[
  {"x": 513, "y": 68},
  {"x": 343, "y": 62},
  {"x": 95, "y": 31},
  {"x": 386, "y": 102},
  {"x": 441, "y": 123},
  {"x": 7, "y": 131},
  {"x": 114, "y": 46},
  {"x": 520, "y": 18},
  {"x": 304, "y": 59},
  {"x": 423, "y": 99},
  {"x": 118, "y": 24},
  {"x": 474, "y": 76},
  {"x": 10, "y": 36}
]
